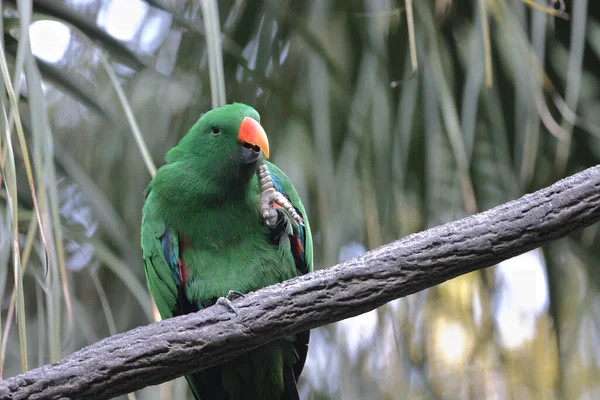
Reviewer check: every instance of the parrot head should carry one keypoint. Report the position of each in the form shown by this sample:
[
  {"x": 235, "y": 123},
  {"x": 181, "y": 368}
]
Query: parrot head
[{"x": 225, "y": 143}]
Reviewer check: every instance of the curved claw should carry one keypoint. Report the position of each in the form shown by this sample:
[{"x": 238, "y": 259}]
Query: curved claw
[
  {"x": 234, "y": 294},
  {"x": 227, "y": 301}
]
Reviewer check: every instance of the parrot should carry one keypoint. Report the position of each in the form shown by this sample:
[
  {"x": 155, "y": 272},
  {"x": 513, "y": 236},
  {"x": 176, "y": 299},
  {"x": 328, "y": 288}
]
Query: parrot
[{"x": 218, "y": 221}]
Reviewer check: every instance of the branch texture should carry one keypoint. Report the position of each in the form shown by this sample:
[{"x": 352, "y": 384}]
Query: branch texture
[{"x": 165, "y": 350}]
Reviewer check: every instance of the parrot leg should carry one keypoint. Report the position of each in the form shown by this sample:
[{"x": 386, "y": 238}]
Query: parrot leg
[{"x": 226, "y": 301}]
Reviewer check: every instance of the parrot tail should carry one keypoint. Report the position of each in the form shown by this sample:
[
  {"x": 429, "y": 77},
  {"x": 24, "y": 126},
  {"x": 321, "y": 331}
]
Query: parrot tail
[
  {"x": 290, "y": 390},
  {"x": 205, "y": 385}
]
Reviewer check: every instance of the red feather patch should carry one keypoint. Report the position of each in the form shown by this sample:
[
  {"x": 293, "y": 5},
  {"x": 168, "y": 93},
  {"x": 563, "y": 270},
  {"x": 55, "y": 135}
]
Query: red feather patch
[
  {"x": 183, "y": 270},
  {"x": 297, "y": 247}
]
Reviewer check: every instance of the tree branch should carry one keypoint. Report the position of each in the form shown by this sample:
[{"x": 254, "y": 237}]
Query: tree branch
[{"x": 163, "y": 351}]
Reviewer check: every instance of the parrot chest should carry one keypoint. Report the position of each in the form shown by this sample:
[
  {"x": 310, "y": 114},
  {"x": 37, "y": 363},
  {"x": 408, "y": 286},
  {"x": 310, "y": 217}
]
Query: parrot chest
[{"x": 231, "y": 250}]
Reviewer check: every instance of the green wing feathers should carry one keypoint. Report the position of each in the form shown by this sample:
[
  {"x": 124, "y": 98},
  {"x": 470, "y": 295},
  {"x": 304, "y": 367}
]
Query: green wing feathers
[{"x": 159, "y": 276}]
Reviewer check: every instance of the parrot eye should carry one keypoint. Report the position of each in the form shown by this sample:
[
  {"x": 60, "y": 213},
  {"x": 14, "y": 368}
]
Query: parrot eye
[{"x": 216, "y": 130}]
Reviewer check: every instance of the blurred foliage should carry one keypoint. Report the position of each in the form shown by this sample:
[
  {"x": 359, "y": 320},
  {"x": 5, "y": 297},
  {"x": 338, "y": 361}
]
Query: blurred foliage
[{"x": 500, "y": 98}]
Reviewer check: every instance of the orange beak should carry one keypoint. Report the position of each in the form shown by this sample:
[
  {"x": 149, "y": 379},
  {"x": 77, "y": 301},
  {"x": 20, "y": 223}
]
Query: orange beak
[{"x": 252, "y": 132}]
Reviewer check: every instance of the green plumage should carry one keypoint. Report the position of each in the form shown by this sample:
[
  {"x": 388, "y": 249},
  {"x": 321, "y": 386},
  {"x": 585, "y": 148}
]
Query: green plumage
[{"x": 202, "y": 235}]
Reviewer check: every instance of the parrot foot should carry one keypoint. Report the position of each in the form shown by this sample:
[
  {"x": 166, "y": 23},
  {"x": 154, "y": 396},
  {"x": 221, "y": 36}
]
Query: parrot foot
[
  {"x": 271, "y": 200},
  {"x": 227, "y": 301}
]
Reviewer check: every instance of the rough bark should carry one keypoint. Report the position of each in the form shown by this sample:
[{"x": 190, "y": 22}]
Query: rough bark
[{"x": 163, "y": 351}]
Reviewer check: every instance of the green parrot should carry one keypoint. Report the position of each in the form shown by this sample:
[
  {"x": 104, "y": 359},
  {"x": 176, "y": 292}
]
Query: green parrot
[{"x": 220, "y": 220}]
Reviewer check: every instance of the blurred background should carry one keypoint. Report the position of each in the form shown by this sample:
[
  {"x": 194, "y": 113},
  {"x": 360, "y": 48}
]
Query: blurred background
[{"x": 389, "y": 116}]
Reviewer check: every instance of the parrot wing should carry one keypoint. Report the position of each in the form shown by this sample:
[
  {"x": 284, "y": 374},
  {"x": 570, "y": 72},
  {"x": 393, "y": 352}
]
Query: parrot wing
[
  {"x": 162, "y": 250},
  {"x": 300, "y": 238}
]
